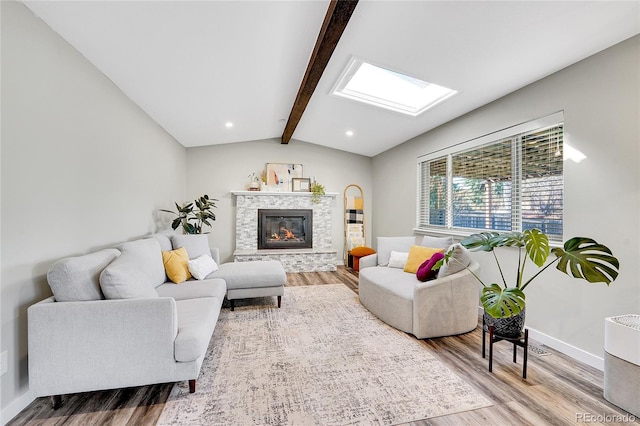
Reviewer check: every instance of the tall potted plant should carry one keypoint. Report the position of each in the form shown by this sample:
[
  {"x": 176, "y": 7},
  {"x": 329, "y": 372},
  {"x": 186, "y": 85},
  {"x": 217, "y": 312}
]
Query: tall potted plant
[
  {"x": 580, "y": 257},
  {"x": 191, "y": 218}
]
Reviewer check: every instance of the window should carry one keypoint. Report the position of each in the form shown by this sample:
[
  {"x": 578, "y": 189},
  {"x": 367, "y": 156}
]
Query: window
[{"x": 511, "y": 180}]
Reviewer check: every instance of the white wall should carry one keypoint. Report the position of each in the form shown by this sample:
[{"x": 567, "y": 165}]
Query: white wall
[
  {"x": 216, "y": 170},
  {"x": 82, "y": 168},
  {"x": 600, "y": 97}
]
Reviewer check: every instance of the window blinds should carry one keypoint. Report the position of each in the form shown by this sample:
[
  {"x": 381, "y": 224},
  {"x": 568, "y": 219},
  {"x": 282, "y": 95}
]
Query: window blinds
[{"x": 514, "y": 183}]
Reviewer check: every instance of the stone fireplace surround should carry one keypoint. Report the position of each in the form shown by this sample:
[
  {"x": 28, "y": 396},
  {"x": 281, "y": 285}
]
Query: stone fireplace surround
[{"x": 322, "y": 257}]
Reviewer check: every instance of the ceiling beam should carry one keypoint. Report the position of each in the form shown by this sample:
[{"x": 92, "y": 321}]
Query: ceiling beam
[{"x": 335, "y": 21}]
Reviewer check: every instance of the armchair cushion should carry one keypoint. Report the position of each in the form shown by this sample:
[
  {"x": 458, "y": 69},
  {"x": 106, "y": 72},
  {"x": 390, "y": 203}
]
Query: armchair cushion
[
  {"x": 388, "y": 244},
  {"x": 458, "y": 261},
  {"x": 439, "y": 242}
]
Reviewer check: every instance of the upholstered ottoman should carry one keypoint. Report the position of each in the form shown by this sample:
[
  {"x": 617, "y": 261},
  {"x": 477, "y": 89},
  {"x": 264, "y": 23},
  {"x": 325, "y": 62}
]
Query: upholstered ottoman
[{"x": 258, "y": 278}]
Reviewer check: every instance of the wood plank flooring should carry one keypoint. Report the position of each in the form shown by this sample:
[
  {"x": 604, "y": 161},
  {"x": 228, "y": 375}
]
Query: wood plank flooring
[{"x": 557, "y": 391}]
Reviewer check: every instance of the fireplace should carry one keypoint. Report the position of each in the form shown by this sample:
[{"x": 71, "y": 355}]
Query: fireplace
[{"x": 285, "y": 229}]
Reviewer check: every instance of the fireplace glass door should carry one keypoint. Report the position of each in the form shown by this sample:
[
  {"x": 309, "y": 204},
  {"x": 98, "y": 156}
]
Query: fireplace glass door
[{"x": 285, "y": 229}]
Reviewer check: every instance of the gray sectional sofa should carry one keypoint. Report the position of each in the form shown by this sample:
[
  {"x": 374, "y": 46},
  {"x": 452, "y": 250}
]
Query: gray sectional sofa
[
  {"x": 114, "y": 321},
  {"x": 444, "y": 306}
]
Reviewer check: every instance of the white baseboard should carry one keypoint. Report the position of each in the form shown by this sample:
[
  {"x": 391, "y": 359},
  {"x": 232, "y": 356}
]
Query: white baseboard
[
  {"x": 14, "y": 408},
  {"x": 563, "y": 347},
  {"x": 567, "y": 349}
]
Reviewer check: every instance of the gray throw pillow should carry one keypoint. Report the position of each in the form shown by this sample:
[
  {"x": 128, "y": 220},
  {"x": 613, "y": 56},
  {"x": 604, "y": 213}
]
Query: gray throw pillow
[
  {"x": 136, "y": 273},
  {"x": 462, "y": 259},
  {"x": 195, "y": 244},
  {"x": 78, "y": 278},
  {"x": 164, "y": 238}
]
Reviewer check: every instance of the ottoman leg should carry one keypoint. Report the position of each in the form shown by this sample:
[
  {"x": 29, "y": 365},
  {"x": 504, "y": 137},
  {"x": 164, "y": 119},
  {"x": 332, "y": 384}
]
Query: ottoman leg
[{"x": 279, "y": 301}]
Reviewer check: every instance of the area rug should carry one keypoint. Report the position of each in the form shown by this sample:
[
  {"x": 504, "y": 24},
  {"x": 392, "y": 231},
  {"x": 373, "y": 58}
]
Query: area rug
[{"x": 322, "y": 359}]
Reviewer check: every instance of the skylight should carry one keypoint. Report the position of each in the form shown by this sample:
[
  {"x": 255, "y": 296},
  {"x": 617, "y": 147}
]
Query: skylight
[{"x": 373, "y": 85}]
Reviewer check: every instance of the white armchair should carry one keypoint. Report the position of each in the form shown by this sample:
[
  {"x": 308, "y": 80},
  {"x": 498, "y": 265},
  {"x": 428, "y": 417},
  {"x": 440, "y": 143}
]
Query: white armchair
[{"x": 445, "y": 306}]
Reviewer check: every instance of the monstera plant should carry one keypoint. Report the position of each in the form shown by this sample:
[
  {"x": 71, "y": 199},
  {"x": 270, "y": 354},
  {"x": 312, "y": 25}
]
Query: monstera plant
[
  {"x": 191, "y": 218},
  {"x": 580, "y": 257}
]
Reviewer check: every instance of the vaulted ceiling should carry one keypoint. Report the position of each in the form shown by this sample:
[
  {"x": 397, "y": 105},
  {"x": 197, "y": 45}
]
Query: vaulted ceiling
[{"x": 195, "y": 66}]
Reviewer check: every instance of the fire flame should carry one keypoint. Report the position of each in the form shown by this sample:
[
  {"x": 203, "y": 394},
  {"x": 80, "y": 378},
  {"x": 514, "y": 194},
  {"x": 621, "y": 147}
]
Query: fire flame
[{"x": 288, "y": 235}]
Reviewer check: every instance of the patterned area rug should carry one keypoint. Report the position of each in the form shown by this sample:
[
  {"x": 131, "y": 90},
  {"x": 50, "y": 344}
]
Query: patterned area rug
[{"x": 322, "y": 359}]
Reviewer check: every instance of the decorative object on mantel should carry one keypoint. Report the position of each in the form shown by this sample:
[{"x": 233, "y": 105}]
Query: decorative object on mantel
[
  {"x": 254, "y": 182},
  {"x": 280, "y": 175},
  {"x": 263, "y": 180},
  {"x": 580, "y": 257},
  {"x": 301, "y": 184},
  {"x": 192, "y": 219},
  {"x": 317, "y": 190}
]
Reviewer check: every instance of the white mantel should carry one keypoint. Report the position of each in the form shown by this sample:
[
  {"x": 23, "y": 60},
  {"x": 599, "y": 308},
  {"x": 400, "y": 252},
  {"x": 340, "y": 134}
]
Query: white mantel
[
  {"x": 322, "y": 257},
  {"x": 295, "y": 194}
]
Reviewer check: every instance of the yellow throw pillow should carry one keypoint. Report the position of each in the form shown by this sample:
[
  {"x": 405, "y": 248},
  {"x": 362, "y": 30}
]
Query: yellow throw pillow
[
  {"x": 417, "y": 255},
  {"x": 176, "y": 264}
]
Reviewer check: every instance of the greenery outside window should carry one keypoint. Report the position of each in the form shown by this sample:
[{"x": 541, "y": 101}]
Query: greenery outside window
[{"x": 510, "y": 180}]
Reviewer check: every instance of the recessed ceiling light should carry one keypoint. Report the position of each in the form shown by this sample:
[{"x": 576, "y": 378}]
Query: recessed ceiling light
[
  {"x": 373, "y": 85},
  {"x": 349, "y": 133},
  {"x": 228, "y": 124}
]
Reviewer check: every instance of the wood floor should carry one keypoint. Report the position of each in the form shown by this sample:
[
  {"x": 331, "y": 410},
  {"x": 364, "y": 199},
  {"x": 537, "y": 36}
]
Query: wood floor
[{"x": 557, "y": 391}]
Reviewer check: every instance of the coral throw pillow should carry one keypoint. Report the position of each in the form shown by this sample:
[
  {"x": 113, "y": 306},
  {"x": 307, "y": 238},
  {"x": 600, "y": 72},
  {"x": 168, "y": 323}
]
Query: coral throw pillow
[
  {"x": 425, "y": 271},
  {"x": 417, "y": 255},
  {"x": 176, "y": 265}
]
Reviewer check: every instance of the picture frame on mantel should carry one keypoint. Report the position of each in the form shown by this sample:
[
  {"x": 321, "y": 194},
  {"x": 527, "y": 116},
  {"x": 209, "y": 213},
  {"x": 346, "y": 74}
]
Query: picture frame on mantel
[
  {"x": 301, "y": 184},
  {"x": 280, "y": 176}
]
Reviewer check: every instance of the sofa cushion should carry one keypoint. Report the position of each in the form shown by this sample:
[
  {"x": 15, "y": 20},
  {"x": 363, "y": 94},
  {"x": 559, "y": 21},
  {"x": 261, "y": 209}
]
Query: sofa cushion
[
  {"x": 135, "y": 273},
  {"x": 253, "y": 274},
  {"x": 388, "y": 244},
  {"x": 202, "y": 266},
  {"x": 425, "y": 271},
  {"x": 196, "y": 321},
  {"x": 164, "y": 238},
  {"x": 192, "y": 289},
  {"x": 459, "y": 260},
  {"x": 417, "y": 256},
  {"x": 176, "y": 265},
  {"x": 78, "y": 278},
  {"x": 195, "y": 244}
]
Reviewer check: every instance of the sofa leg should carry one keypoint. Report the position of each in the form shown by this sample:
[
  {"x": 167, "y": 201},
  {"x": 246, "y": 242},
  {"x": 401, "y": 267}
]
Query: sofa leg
[
  {"x": 192, "y": 386},
  {"x": 279, "y": 301},
  {"x": 231, "y": 304},
  {"x": 56, "y": 401}
]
